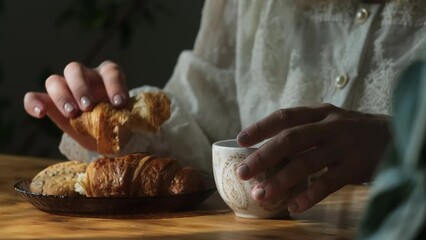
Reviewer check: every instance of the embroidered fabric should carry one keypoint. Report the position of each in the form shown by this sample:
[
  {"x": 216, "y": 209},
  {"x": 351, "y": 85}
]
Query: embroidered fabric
[
  {"x": 328, "y": 10},
  {"x": 253, "y": 57},
  {"x": 406, "y": 13}
]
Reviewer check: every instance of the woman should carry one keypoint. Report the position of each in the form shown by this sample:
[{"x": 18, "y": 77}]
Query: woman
[{"x": 264, "y": 69}]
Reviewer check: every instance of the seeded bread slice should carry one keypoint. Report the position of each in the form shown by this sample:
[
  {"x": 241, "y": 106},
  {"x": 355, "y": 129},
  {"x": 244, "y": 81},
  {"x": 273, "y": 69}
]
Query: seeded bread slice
[{"x": 58, "y": 179}]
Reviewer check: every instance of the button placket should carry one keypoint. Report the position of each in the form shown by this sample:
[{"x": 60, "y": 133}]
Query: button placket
[{"x": 347, "y": 71}]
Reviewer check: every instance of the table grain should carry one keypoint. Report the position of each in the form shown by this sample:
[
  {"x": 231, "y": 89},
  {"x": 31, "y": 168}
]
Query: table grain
[{"x": 336, "y": 217}]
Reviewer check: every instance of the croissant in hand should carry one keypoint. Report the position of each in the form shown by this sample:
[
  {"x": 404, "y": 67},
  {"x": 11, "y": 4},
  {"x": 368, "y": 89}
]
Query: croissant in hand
[
  {"x": 137, "y": 175},
  {"x": 146, "y": 112}
]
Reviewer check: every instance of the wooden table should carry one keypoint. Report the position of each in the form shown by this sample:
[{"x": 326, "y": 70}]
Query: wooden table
[{"x": 336, "y": 217}]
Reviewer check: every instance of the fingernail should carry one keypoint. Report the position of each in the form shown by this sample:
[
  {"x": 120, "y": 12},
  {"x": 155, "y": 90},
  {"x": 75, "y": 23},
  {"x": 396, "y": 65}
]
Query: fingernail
[
  {"x": 258, "y": 194},
  {"x": 243, "y": 171},
  {"x": 85, "y": 102},
  {"x": 117, "y": 100},
  {"x": 68, "y": 107},
  {"x": 292, "y": 207},
  {"x": 37, "y": 111},
  {"x": 242, "y": 137}
]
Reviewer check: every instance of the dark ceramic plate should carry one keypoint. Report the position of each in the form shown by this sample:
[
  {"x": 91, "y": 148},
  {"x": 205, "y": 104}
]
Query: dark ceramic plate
[{"x": 111, "y": 206}]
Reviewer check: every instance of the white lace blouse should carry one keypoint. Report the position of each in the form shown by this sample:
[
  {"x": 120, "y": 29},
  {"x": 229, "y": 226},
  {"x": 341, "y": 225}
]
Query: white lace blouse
[{"x": 253, "y": 57}]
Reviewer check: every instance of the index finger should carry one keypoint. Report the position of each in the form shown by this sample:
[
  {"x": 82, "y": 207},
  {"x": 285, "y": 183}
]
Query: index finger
[{"x": 280, "y": 120}]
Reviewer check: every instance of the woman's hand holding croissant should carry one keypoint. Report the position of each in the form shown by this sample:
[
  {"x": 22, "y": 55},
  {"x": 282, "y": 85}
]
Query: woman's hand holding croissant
[{"x": 79, "y": 89}]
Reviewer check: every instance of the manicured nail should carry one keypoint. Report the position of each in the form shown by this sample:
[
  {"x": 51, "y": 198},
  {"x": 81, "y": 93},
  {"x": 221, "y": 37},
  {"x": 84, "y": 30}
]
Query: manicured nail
[
  {"x": 85, "y": 102},
  {"x": 258, "y": 194},
  {"x": 37, "y": 111},
  {"x": 117, "y": 100},
  {"x": 242, "y": 137},
  {"x": 243, "y": 171},
  {"x": 292, "y": 207},
  {"x": 68, "y": 107}
]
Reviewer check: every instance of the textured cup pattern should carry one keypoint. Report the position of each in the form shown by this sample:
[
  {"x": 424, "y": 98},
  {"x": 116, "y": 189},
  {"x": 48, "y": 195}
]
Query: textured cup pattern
[{"x": 237, "y": 193}]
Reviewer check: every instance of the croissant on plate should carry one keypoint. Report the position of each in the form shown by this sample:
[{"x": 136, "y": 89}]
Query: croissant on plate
[
  {"x": 136, "y": 175},
  {"x": 146, "y": 111}
]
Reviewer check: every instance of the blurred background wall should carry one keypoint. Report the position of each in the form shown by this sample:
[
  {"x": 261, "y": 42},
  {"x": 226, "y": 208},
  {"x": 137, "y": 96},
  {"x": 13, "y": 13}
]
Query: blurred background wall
[{"x": 38, "y": 38}]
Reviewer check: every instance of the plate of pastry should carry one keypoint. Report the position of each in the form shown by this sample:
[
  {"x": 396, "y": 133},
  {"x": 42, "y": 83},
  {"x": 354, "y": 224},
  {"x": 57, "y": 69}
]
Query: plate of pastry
[{"x": 136, "y": 183}]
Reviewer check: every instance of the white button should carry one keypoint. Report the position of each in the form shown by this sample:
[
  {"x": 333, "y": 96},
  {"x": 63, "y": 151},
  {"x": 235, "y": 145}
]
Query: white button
[
  {"x": 341, "y": 81},
  {"x": 362, "y": 15}
]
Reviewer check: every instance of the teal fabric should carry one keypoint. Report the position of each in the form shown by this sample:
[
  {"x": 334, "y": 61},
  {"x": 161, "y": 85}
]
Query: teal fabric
[{"x": 397, "y": 205}]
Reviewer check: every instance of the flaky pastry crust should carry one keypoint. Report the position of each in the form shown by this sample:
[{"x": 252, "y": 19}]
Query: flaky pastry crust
[{"x": 145, "y": 112}]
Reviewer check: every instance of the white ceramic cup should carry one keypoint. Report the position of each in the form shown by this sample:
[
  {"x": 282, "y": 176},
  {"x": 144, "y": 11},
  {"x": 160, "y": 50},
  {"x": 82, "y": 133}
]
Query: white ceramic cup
[{"x": 227, "y": 155}]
